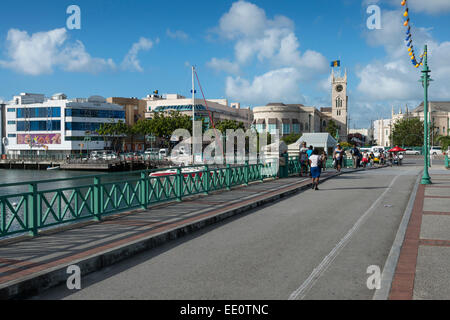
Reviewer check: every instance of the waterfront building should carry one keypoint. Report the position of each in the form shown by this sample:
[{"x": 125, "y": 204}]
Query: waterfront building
[
  {"x": 287, "y": 119},
  {"x": 219, "y": 109},
  {"x": 2, "y": 128},
  {"x": 37, "y": 125},
  {"x": 135, "y": 110}
]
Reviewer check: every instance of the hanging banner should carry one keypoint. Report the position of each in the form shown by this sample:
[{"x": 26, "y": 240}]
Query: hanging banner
[{"x": 39, "y": 139}]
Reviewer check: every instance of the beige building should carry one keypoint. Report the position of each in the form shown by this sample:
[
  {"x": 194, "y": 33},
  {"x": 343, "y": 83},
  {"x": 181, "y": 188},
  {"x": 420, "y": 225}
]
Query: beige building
[
  {"x": 134, "y": 111},
  {"x": 440, "y": 116},
  {"x": 134, "y": 108},
  {"x": 287, "y": 118},
  {"x": 299, "y": 119},
  {"x": 219, "y": 109}
]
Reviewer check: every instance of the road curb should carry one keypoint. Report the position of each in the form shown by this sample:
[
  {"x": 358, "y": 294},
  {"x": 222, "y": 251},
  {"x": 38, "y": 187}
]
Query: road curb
[
  {"x": 34, "y": 284},
  {"x": 390, "y": 265}
]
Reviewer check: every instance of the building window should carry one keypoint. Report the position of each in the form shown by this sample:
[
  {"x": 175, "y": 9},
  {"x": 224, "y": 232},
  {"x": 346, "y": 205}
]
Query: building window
[
  {"x": 11, "y": 122},
  {"x": 296, "y": 128},
  {"x": 83, "y": 126},
  {"x": 12, "y": 136},
  {"x": 261, "y": 127},
  {"x": 11, "y": 110},
  {"x": 272, "y": 128},
  {"x": 306, "y": 127},
  {"x": 48, "y": 112},
  {"x": 286, "y": 128},
  {"x": 54, "y": 125},
  {"x": 324, "y": 124},
  {"x": 338, "y": 102},
  {"x": 87, "y": 113}
]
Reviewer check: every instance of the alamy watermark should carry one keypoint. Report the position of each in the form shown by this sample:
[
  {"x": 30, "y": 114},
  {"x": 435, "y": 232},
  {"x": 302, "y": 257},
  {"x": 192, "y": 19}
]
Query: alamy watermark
[
  {"x": 374, "y": 21},
  {"x": 74, "y": 20},
  {"x": 74, "y": 280},
  {"x": 236, "y": 147},
  {"x": 374, "y": 280}
]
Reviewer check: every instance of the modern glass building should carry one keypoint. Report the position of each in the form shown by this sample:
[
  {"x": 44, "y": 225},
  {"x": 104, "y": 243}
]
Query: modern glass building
[{"x": 57, "y": 126}]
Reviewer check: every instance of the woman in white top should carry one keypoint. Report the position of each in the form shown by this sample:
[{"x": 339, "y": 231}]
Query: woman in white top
[{"x": 314, "y": 162}]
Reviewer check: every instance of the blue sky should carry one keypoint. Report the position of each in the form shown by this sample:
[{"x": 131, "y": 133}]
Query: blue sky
[{"x": 251, "y": 52}]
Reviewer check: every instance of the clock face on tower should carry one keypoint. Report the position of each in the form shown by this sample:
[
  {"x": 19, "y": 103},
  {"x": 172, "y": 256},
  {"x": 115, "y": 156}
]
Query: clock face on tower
[{"x": 339, "y": 88}]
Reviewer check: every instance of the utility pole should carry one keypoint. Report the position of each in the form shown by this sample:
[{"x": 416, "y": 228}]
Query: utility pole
[{"x": 425, "y": 83}]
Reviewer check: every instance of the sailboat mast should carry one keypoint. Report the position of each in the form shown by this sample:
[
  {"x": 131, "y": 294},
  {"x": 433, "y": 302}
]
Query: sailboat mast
[{"x": 193, "y": 115}]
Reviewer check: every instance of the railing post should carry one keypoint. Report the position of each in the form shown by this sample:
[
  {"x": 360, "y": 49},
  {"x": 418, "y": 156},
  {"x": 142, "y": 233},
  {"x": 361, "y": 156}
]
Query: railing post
[
  {"x": 144, "y": 190},
  {"x": 228, "y": 177},
  {"x": 179, "y": 185},
  {"x": 246, "y": 170},
  {"x": 206, "y": 177},
  {"x": 98, "y": 199},
  {"x": 33, "y": 210}
]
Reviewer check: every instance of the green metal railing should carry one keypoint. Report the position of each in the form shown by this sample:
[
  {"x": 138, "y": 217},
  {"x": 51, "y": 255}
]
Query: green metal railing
[
  {"x": 37, "y": 206},
  {"x": 446, "y": 161}
]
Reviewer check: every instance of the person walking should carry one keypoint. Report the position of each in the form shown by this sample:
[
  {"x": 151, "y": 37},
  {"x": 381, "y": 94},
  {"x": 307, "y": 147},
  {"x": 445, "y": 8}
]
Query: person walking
[
  {"x": 323, "y": 161},
  {"x": 309, "y": 153},
  {"x": 390, "y": 158},
  {"x": 365, "y": 159},
  {"x": 338, "y": 156},
  {"x": 303, "y": 156},
  {"x": 355, "y": 156},
  {"x": 314, "y": 162}
]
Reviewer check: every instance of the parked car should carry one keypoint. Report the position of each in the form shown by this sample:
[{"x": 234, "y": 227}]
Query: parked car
[
  {"x": 410, "y": 151},
  {"x": 436, "y": 151}
]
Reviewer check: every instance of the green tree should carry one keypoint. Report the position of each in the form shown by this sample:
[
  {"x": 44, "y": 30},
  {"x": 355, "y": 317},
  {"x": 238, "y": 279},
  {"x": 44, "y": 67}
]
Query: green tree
[
  {"x": 115, "y": 132},
  {"x": 444, "y": 141},
  {"x": 408, "y": 132},
  {"x": 332, "y": 128},
  {"x": 292, "y": 138},
  {"x": 225, "y": 125}
]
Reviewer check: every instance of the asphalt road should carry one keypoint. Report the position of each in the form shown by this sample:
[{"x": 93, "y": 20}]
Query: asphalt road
[{"x": 314, "y": 245}]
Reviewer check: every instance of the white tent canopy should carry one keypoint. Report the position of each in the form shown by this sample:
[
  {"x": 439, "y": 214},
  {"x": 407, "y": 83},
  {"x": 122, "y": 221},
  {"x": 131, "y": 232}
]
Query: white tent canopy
[{"x": 317, "y": 140}]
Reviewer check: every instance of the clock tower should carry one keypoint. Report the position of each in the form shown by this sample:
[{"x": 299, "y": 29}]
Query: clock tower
[{"x": 339, "y": 103}]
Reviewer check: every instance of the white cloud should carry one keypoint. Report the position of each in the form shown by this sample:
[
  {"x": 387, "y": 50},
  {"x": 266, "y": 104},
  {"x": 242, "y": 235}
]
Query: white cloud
[
  {"x": 279, "y": 85},
  {"x": 223, "y": 65},
  {"x": 131, "y": 62},
  {"x": 272, "y": 42},
  {"x": 392, "y": 80},
  {"x": 178, "y": 34},
  {"x": 41, "y": 52}
]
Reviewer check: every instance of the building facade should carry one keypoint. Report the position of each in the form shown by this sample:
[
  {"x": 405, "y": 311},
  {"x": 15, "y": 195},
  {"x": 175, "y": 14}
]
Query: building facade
[
  {"x": 287, "y": 119},
  {"x": 299, "y": 119},
  {"x": 135, "y": 110},
  {"x": 219, "y": 109},
  {"x": 2, "y": 128},
  {"x": 36, "y": 125}
]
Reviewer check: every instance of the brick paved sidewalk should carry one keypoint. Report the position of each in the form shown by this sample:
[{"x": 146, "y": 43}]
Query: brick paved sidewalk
[
  {"x": 27, "y": 264},
  {"x": 423, "y": 267}
]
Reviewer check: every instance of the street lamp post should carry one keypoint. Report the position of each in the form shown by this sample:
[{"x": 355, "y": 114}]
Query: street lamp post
[{"x": 425, "y": 83}]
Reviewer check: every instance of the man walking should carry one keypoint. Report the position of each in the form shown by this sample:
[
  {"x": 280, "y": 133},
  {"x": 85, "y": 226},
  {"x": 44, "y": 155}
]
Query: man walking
[
  {"x": 355, "y": 156},
  {"x": 303, "y": 156}
]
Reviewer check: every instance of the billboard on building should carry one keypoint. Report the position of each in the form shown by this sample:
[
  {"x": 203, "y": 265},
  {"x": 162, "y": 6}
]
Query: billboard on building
[{"x": 39, "y": 139}]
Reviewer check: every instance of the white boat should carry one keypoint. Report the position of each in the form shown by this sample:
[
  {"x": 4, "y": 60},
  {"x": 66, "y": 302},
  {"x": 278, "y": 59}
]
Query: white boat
[
  {"x": 53, "y": 168},
  {"x": 186, "y": 171}
]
